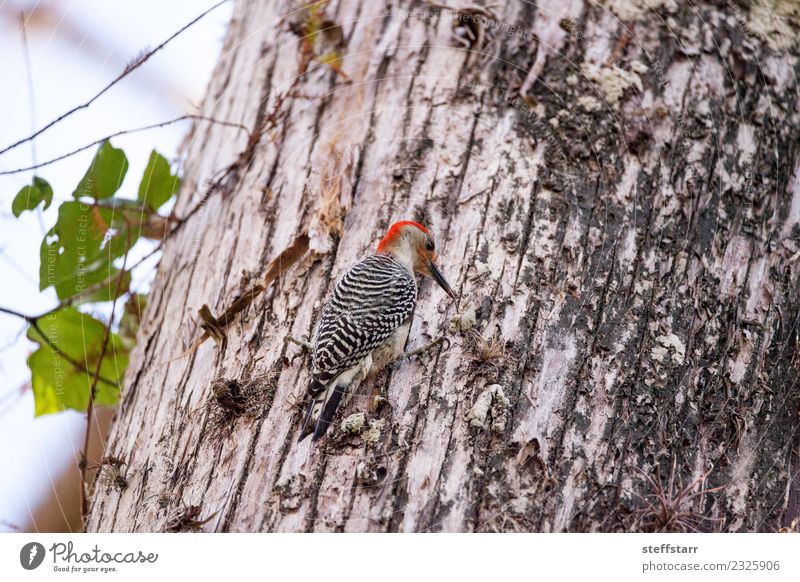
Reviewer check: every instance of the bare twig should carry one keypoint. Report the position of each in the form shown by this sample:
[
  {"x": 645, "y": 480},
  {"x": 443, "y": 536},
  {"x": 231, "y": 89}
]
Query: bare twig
[
  {"x": 125, "y": 132},
  {"x": 128, "y": 70},
  {"x": 95, "y": 378},
  {"x": 9, "y": 525},
  {"x": 74, "y": 362},
  {"x": 30, "y": 319},
  {"x": 285, "y": 260},
  {"x": 8, "y": 345}
]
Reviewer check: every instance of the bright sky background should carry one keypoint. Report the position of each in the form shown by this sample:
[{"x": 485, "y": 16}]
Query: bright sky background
[{"x": 77, "y": 47}]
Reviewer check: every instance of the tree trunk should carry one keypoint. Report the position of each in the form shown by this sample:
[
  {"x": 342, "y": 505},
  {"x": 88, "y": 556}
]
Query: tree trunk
[{"x": 616, "y": 195}]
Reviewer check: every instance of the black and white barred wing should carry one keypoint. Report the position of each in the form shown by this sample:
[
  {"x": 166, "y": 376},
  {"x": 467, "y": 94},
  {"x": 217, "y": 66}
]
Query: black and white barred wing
[{"x": 373, "y": 299}]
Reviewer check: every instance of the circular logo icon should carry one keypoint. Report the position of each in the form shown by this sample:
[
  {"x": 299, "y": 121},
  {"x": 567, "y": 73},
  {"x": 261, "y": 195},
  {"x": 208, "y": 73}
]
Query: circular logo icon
[{"x": 31, "y": 555}]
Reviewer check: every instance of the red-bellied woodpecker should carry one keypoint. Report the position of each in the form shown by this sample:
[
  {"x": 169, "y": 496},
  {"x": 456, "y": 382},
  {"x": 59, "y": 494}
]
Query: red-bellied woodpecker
[{"x": 365, "y": 322}]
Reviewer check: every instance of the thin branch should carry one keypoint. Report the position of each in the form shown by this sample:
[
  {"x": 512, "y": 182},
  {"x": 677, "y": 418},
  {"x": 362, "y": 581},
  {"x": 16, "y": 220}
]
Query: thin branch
[
  {"x": 29, "y": 318},
  {"x": 283, "y": 262},
  {"x": 212, "y": 186},
  {"x": 128, "y": 70},
  {"x": 125, "y": 132},
  {"x": 90, "y": 408},
  {"x": 69, "y": 301},
  {"x": 34, "y": 323},
  {"x": 11, "y": 397},
  {"x": 68, "y": 358},
  {"x": 10, "y": 525}
]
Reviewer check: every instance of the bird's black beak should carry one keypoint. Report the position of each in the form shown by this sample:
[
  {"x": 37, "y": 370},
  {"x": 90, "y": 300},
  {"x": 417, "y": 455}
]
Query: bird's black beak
[{"x": 439, "y": 278}]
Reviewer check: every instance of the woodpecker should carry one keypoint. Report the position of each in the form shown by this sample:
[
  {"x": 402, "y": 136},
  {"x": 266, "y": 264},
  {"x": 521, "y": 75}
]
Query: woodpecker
[{"x": 365, "y": 322}]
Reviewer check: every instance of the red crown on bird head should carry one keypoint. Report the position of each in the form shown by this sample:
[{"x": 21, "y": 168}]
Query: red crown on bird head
[{"x": 395, "y": 230}]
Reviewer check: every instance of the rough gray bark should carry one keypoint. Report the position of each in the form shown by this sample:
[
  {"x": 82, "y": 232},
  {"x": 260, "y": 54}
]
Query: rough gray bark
[{"x": 627, "y": 233}]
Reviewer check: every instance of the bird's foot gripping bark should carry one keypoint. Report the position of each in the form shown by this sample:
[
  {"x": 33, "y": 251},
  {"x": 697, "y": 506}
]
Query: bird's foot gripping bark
[
  {"x": 421, "y": 350},
  {"x": 307, "y": 346}
]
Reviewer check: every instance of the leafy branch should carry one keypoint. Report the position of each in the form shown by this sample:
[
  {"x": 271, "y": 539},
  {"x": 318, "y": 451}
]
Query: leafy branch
[
  {"x": 78, "y": 254},
  {"x": 80, "y": 359}
]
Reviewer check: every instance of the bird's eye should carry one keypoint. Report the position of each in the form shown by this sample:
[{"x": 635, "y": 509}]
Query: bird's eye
[{"x": 429, "y": 245}]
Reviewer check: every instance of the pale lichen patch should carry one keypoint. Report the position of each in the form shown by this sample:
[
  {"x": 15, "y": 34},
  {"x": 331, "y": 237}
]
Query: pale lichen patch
[
  {"x": 612, "y": 81},
  {"x": 745, "y": 140},
  {"x": 777, "y": 22},
  {"x": 490, "y": 409},
  {"x": 589, "y": 103},
  {"x": 373, "y": 433},
  {"x": 354, "y": 423},
  {"x": 670, "y": 346},
  {"x": 464, "y": 321}
]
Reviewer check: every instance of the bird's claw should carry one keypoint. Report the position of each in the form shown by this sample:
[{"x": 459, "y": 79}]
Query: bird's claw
[{"x": 306, "y": 346}]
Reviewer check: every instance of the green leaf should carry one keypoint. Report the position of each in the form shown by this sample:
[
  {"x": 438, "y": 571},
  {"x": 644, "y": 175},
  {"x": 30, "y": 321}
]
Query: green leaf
[
  {"x": 158, "y": 183},
  {"x": 31, "y": 196},
  {"x": 105, "y": 175},
  {"x": 79, "y": 251},
  {"x": 57, "y": 383}
]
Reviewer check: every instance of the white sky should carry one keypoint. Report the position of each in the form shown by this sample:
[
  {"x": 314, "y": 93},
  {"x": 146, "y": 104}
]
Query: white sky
[{"x": 76, "y": 48}]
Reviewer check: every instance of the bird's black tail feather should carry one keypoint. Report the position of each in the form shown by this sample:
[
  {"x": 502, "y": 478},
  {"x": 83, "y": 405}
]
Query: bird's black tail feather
[
  {"x": 326, "y": 418},
  {"x": 317, "y": 392},
  {"x": 322, "y": 408},
  {"x": 307, "y": 426}
]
